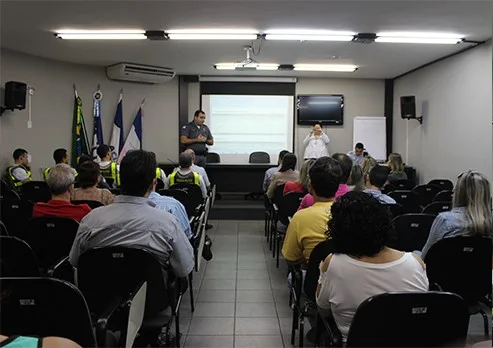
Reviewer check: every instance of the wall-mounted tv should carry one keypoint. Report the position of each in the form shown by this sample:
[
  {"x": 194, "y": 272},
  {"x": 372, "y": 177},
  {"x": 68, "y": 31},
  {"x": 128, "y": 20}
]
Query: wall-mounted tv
[{"x": 326, "y": 109}]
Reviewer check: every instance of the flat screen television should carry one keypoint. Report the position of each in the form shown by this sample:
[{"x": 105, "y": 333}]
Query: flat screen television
[{"x": 326, "y": 109}]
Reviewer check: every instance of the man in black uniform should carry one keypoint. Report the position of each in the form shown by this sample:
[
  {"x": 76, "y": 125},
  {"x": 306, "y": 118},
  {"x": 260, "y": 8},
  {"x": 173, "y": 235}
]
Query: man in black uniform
[{"x": 196, "y": 136}]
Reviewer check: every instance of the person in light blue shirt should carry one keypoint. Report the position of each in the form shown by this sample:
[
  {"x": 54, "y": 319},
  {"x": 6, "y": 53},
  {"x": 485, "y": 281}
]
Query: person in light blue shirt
[
  {"x": 375, "y": 180},
  {"x": 175, "y": 208},
  {"x": 358, "y": 155},
  {"x": 271, "y": 171}
]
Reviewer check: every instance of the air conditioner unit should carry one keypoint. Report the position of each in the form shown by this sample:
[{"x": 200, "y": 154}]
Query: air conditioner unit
[{"x": 139, "y": 73}]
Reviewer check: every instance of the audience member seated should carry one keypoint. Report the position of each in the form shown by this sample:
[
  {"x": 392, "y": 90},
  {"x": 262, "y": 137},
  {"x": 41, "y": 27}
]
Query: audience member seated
[
  {"x": 133, "y": 220},
  {"x": 197, "y": 169},
  {"x": 61, "y": 182},
  {"x": 358, "y": 155},
  {"x": 88, "y": 158},
  {"x": 287, "y": 173},
  {"x": 356, "y": 181},
  {"x": 301, "y": 185},
  {"x": 110, "y": 170},
  {"x": 374, "y": 183},
  {"x": 346, "y": 165},
  {"x": 308, "y": 226},
  {"x": 88, "y": 180},
  {"x": 396, "y": 166},
  {"x": 59, "y": 156},
  {"x": 471, "y": 213},
  {"x": 362, "y": 266},
  {"x": 36, "y": 342},
  {"x": 368, "y": 163},
  {"x": 269, "y": 172},
  {"x": 19, "y": 173},
  {"x": 185, "y": 174}
]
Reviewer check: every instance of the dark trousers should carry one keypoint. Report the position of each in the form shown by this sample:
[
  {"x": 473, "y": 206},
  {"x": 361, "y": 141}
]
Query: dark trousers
[{"x": 200, "y": 160}]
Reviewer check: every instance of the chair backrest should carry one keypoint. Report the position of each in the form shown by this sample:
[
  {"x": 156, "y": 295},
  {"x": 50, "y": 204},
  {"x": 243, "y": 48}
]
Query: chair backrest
[
  {"x": 388, "y": 188},
  {"x": 408, "y": 199},
  {"x": 105, "y": 273},
  {"x": 213, "y": 157},
  {"x": 288, "y": 205},
  {"x": 426, "y": 193},
  {"x": 159, "y": 184},
  {"x": 45, "y": 307},
  {"x": 461, "y": 265},
  {"x": 3, "y": 230},
  {"x": 90, "y": 203},
  {"x": 7, "y": 191},
  {"x": 259, "y": 157},
  {"x": 51, "y": 238},
  {"x": 412, "y": 231},
  {"x": 394, "y": 210},
  {"x": 36, "y": 191},
  {"x": 278, "y": 194},
  {"x": 403, "y": 184},
  {"x": 17, "y": 259},
  {"x": 436, "y": 208},
  {"x": 445, "y": 184},
  {"x": 15, "y": 213},
  {"x": 181, "y": 196},
  {"x": 410, "y": 319},
  {"x": 193, "y": 191},
  {"x": 444, "y": 196}
]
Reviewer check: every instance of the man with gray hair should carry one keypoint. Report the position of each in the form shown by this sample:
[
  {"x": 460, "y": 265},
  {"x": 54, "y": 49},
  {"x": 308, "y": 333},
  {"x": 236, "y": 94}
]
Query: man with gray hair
[
  {"x": 185, "y": 174},
  {"x": 196, "y": 168},
  {"x": 61, "y": 182}
]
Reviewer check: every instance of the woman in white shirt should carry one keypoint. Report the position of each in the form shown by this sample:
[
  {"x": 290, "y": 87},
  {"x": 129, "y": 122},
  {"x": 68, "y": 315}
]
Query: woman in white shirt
[
  {"x": 316, "y": 143},
  {"x": 362, "y": 265}
]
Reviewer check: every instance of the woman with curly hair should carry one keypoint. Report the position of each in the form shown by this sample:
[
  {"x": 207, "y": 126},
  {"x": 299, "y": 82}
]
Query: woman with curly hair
[{"x": 362, "y": 265}]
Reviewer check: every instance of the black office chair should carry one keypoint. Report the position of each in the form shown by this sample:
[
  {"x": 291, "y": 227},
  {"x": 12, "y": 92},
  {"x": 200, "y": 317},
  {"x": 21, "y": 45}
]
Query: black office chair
[
  {"x": 388, "y": 188},
  {"x": 14, "y": 214},
  {"x": 45, "y": 307},
  {"x": 274, "y": 201},
  {"x": 3, "y": 230},
  {"x": 436, "y": 208},
  {"x": 412, "y": 231},
  {"x": 259, "y": 157},
  {"x": 445, "y": 184},
  {"x": 90, "y": 203},
  {"x": 426, "y": 193},
  {"x": 181, "y": 196},
  {"x": 6, "y": 191},
  {"x": 36, "y": 191},
  {"x": 394, "y": 210},
  {"x": 212, "y": 157},
  {"x": 444, "y": 196},
  {"x": 51, "y": 239},
  {"x": 408, "y": 199},
  {"x": 193, "y": 191},
  {"x": 405, "y": 319},
  {"x": 403, "y": 184},
  {"x": 159, "y": 184},
  {"x": 17, "y": 259},
  {"x": 462, "y": 265},
  {"x": 106, "y": 274}
]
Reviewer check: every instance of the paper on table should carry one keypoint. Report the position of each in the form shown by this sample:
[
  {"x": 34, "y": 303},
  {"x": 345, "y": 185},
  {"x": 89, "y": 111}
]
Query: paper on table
[{"x": 136, "y": 315}]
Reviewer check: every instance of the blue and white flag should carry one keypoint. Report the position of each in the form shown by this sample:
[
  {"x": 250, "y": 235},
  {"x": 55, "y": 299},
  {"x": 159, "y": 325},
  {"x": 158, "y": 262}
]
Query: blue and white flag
[
  {"x": 117, "y": 131},
  {"x": 134, "y": 138},
  {"x": 97, "y": 137}
]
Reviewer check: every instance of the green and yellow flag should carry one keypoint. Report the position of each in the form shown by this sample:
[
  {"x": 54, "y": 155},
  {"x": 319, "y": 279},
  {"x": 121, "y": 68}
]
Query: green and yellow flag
[{"x": 80, "y": 141}]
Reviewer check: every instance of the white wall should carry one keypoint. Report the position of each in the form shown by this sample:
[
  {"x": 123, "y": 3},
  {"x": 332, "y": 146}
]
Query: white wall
[
  {"x": 361, "y": 98},
  {"x": 455, "y": 98},
  {"x": 52, "y": 108}
]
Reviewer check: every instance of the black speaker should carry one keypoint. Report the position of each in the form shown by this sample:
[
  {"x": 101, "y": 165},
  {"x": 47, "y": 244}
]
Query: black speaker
[
  {"x": 408, "y": 107},
  {"x": 15, "y": 95}
]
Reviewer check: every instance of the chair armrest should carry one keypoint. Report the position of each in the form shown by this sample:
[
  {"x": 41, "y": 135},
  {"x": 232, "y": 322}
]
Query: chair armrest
[
  {"x": 56, "y": 266},
  {"x": 435, "y": 287},
  {"x": 330, "y": 326},
  {"x": 276, "y": 208}
]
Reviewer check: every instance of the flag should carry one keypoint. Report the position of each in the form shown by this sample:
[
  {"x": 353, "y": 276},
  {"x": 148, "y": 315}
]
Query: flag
[
  {"x": 134, "y": 138},
  {"x": 80, "y": 142},
  {"x": 117, "y": 131},
  {"x": 97, "y": 137}
]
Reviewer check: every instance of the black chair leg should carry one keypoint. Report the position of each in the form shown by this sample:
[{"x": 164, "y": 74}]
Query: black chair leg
[
  {"x": 302, "y": 330},
  {"x": 274, "y": 247},
  {"x": 190, "y": 288},
  {"x": 278, "y": 249},
  {"x": 294, "y": 324},
  {"x": 486, "y": 326}
]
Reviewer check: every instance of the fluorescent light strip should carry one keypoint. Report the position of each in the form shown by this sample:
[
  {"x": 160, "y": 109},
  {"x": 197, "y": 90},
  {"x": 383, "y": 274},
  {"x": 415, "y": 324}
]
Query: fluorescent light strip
[
  {"x": 124, "y": 34},
  {"x": 300, "y": 37},
  {"x": 233, "y": 66},
  {"x": 325, "y": 67},
  {"x": 421, "y": 40},
  {"x": 212, "y": 31},
  {"x": 212, "y": 36},
  {"x": 420, "y": 35}
]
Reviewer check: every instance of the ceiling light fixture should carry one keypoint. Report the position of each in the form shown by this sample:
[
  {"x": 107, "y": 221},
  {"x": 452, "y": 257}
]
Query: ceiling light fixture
[
  {"x": 101, "y": 34},
  {"x": 212, "y": 34},
  {"x": 325, "y": 67},
  {"x": 308, "y": 35},
  {"x": 240, "y": 66},
  {"x": 417, "y": 37}
]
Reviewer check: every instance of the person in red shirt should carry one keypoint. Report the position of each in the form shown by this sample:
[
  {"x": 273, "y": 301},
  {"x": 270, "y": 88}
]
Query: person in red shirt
[
  {"x": 61, "y": 181},
  {"x": 301, "y": 185}
]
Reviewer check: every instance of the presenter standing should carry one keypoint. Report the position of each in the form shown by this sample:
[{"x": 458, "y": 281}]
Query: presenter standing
[
  {"x": 316, "y": 143},
  {"x": 196, "y": 136}
]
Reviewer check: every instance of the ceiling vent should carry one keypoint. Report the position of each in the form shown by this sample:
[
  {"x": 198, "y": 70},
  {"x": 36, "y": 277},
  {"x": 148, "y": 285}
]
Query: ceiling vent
[{"x": 139, "y": 73}]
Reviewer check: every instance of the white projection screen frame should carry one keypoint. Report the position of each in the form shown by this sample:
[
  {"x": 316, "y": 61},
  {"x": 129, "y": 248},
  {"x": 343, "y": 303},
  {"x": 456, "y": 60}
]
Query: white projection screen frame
[{"x": 242, "y": 124}]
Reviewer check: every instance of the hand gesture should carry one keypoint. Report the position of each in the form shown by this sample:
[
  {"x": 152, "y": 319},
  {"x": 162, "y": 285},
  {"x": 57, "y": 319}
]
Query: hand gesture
[{"x": 201, "y": 139}]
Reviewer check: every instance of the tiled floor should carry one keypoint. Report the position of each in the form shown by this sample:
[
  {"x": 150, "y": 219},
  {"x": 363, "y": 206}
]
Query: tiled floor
[{"x": 242, "y": 298}]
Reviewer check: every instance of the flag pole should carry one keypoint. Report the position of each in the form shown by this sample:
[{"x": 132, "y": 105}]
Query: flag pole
[{"x": 75, "y": 91}]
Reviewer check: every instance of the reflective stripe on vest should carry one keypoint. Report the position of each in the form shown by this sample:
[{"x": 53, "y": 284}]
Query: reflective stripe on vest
[
  {"x": 111, "y": 172},
  {"x": 158, "y": 173},
  {"x": 18, "y": 183},
  {"x": 190, "y": 178}
]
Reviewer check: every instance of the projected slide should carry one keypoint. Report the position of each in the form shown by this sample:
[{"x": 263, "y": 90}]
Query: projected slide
[{"x": 242, "y": 124}]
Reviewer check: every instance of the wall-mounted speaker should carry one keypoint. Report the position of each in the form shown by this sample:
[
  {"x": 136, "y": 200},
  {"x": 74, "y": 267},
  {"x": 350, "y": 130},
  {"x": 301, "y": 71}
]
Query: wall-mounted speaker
[
  {"x": 15, "y": 95},
  {"x": 408, "y": 107}
]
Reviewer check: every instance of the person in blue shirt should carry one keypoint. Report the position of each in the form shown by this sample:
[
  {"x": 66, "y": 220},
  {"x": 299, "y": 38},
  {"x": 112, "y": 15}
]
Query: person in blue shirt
[
  {"x": 374, "y": 183},
  {"x": 175, "y": 208},
  {"x": 358, "y": 155}
]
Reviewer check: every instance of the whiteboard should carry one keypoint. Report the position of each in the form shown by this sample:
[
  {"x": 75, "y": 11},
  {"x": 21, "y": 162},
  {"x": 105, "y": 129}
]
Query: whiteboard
[{"x": 371, "y": 131}]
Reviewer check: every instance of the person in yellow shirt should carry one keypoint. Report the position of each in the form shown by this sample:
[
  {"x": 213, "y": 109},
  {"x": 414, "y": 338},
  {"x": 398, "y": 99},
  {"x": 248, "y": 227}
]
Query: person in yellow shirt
[{"x": 308, "y": 226}]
